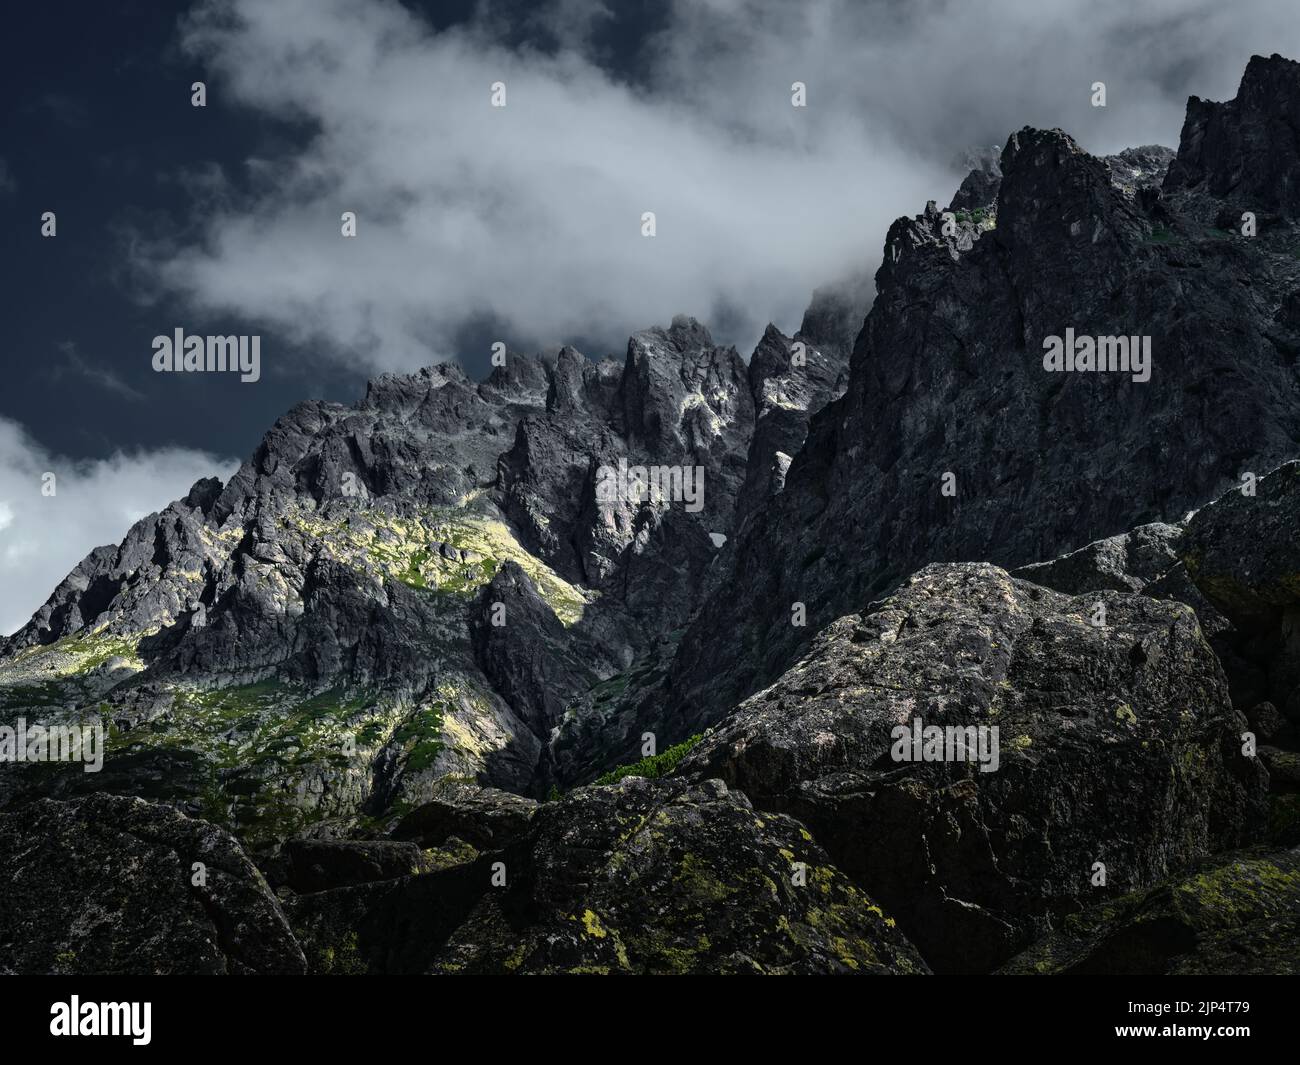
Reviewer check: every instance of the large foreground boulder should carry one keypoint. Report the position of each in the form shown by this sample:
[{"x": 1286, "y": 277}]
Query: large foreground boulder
[
  {"x": 1118, "y": 755},
  {"x": 646, "y": 877},
  {"x": 108, "y": 884},
  {"x": 1237, "y": 915}
]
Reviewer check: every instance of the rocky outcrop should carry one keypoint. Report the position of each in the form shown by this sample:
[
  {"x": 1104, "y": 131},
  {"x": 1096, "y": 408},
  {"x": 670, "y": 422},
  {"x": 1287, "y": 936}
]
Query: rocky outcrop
[
  {"x": 1135, "y": 169},
  {"x": 791, "y": 379},
  {"x": 1233, "y": 562},
  {"x": 1116, "y": 745},
  {"x": 1131, "y": 171},
  {"x": 525, "y": 651},
  {"x": 322, "y": 631},
  {"x": 1244, "y": 152},
  {"x": 1129, "y": 562},
  {"x": 681, "y": 401},
  {"x": 1242, "y": 552},
  {"x": 1242, "y": 549},
  {"x": 486, "y": 818},
  {"x": 648, "y": 878},
  {"x": 391, "y": 926},
  {"x": 317, "y": 865},
  {"x": 833, "y": 319},
  {"x": 111, "y": 885},
  {"x": 979, "y": 188},
  {"x": 1236, "y": 915},
  {"x": 952, "y": 442},
  {"x": 1145, "y": 560},
  {"x": 638, "y": 877}
]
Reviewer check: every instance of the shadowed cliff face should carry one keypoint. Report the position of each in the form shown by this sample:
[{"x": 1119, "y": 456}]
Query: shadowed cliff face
[
  {"x": 1245, "y": 152},
  {"x": 947, "y": 377}
]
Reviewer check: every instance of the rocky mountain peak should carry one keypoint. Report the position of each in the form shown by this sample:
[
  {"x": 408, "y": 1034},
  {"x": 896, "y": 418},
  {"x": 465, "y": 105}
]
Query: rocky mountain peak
[
  {"x": 984, "y": 174},
  {"x": 1136, "y": 169},
  {"x": 680, "y": 392},
  {"x": 1246, "y": 151},
  {"x": 565, "y": 390},
  {"x": 1053, "y": 193}
]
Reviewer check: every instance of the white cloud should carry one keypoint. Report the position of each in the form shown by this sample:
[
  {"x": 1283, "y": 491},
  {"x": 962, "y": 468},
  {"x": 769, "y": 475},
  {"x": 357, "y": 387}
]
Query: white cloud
[
  {"x": 42, "y": 537},
  {"x": 530, "y": 214}
]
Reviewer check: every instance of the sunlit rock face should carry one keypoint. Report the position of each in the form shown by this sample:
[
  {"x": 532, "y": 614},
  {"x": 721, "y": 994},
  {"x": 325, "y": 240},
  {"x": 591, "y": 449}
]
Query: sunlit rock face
[{"x": 392, "y": 592}]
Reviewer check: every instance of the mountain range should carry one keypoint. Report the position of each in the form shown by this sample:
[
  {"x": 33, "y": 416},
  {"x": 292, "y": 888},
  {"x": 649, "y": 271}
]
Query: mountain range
[{"x": 419, "y": 698}]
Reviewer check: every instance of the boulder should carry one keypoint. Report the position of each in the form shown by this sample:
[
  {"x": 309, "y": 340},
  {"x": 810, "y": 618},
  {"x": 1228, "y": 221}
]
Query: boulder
[
  {"x": 1125, "y": 563},
  {"x": 1116, "y": 744},
  {"x": 1243, "y": 552},
  {"x": 315, "y": 865},
  {"x": 109, "y": 885},
  {"x": 387, "y": 926},
  {"x": 643, "y": 877},
  {"x": 485, "y": 818},
  {"x": 1235, "y": 915}
]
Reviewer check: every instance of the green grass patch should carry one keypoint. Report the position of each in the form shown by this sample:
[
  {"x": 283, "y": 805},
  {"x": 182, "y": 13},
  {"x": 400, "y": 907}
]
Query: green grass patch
[
  {"x": 421, "y": 736},
  {"x": 978, "y": 216},
  {"x": 658, "y": 765}
]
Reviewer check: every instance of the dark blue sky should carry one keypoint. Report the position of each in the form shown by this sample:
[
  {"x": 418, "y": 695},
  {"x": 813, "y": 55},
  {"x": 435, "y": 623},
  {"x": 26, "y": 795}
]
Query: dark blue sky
[
  {"x": 98, "y": 128},
  {"x": 98, "y": 125}
]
